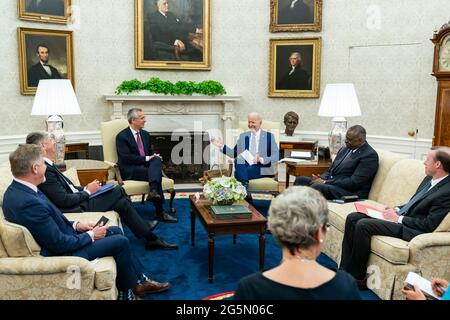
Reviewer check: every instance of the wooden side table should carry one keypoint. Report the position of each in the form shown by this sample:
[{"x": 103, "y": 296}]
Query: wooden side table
[
  {"x": 305, "y": 169},
  {"x": 77, "y": 148},
  {"x": 89, "y": 170},
  {"x": 256, "y": 224}
]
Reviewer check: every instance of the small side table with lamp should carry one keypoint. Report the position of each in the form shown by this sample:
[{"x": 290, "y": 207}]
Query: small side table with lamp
[{"x": 54, "y": 98}]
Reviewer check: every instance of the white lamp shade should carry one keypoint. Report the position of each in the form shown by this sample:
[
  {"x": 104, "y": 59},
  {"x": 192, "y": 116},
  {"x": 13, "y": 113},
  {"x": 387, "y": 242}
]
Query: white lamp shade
[
  {"x": 55, "y": 96},
  {"x": 339, "y": 100}
]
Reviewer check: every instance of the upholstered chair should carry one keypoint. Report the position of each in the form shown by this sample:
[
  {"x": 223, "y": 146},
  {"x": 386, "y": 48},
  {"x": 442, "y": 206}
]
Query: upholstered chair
[
  {"x": 109, "y": 131},
  {"x": 26, "y": 275}
]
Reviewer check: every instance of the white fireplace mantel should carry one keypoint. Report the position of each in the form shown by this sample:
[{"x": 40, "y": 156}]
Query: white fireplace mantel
[{"x": 221, "y": 106}]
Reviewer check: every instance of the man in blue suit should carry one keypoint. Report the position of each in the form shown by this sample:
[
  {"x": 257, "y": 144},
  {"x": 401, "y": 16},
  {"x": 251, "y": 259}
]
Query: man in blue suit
[
  {"x": 352, "y": 171},
  {"x": 24, "y": 204},
  {"x": 262, "y": 147},
  {"x": 138, "y": 161}
]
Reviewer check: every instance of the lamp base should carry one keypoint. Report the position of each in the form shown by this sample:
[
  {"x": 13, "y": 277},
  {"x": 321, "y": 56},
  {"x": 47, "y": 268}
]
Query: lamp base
[
  {"x": 55, "y": 126},
  {"x": 336, "y": 137}
]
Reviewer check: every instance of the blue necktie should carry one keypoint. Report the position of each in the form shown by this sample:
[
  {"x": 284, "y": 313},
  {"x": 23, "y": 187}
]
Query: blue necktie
[{"x": 419, "y": 196}]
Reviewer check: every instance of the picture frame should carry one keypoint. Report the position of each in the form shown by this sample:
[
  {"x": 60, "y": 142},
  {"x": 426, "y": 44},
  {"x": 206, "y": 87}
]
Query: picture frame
[
  {"x": 303, "y": 81},
  {"x": 53, "y": 11},
  {"x": 295, "y": 15},
  {"x": 180, "y": 41},
  {"x": 56, "y": 45}
]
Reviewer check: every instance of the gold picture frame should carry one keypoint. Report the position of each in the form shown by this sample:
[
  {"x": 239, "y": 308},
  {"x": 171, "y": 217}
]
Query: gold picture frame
[
  {"x": 53, "y": 11},
  {"x": 294, "y": 16},
  {"x": 57, "y": 45},
  {"x": 303, "y": 81},
  {"x": 156, "y": 38}
]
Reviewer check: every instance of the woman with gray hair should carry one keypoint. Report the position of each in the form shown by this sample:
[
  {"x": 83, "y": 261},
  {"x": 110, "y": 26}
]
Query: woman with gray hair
[{"x": 298, "y": 221}]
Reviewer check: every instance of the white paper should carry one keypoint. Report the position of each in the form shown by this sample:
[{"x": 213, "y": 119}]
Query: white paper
[
  {"x": 424, "y": 284},
  {"x": 375, "y": 214},
  {"x": 301, "y": 154},
  {"x": 248, "y": 156},
  {"x": 293, "y": 160}
]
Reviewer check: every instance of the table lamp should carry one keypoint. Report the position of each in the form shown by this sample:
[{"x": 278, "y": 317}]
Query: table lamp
[
  {"x": 339, "y": 100},
  {"x": 54, "y": 98}
]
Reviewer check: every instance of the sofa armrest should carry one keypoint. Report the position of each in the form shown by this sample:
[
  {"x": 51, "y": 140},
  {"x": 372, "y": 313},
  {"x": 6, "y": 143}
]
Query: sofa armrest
[
  {"x": 44, "y": 265},
  {"x": 433, "y": 239}
]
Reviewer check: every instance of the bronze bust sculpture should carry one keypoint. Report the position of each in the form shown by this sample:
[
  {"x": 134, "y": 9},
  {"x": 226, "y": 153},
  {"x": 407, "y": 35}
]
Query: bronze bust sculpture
[{"x": 290, "y": 121}]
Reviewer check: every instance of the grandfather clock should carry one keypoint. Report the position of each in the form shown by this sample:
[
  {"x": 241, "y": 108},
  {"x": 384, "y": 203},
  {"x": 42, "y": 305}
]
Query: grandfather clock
[{"x": 441, "y": 70}]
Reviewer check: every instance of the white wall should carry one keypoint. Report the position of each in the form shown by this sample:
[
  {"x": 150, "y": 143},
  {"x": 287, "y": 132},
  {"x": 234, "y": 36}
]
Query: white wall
[{"x": 382, "y": 46}]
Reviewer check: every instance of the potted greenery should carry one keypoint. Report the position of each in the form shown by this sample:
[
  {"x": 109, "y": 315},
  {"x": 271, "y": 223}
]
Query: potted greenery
[{"x": 156, "y": 85}]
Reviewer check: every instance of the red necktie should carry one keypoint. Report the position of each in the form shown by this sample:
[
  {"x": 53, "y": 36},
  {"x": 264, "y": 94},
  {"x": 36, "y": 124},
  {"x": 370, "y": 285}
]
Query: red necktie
[{"x": 140, "y": 145}]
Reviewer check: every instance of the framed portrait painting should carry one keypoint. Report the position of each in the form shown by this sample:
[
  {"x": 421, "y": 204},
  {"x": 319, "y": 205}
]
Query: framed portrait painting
[
  {"x": 295, "y": 15},
  {"x": 56, "y": 11},
  {"x": 173, "y": 34},
  {"x": 294, "y": 70},
  {"x": 44, "y": 54}
]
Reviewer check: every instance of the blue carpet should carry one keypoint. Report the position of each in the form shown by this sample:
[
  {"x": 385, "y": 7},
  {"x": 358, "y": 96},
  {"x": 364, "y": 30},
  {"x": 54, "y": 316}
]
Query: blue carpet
[{"x": 187, "y": 268}]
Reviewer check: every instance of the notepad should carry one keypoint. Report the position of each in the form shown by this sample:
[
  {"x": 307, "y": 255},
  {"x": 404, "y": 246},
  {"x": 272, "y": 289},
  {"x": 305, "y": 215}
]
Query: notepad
[
  {"x": 370, "y": 211},
  {"x": 103, "y": 189},
  {"x": 425, "y": 286}
]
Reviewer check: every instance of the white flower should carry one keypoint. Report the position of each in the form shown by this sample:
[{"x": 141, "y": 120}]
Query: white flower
[{"x": 224, "y": 189}]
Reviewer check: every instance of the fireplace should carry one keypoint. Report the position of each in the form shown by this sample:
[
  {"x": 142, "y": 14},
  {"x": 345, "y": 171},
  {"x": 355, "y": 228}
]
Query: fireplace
[{"x": 185, "y": 154}]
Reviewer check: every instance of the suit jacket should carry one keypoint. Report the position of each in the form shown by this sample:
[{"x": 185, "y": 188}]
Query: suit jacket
[
  {"x": 356, "y": 173},
  {"x": 37, "y": 72},
  {"x": 128, "y": 152},
  {"x": 297, "y": 80},
  {"x": 268, "y": 149},
  {"x": 168, "y": 29},
  {"x": 426, "y": 214},
  {"x": 56, "y": 188},
  {"x": 49, "y": 227}
]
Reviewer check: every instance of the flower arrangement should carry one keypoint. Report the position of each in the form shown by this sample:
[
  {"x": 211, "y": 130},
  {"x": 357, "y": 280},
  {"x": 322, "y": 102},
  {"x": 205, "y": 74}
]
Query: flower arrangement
[{"x": 224, "y": 191}]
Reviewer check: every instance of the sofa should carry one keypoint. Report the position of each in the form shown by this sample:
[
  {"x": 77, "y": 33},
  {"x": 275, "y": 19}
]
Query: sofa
[
  {"x": 391, "y": 259},
  {"x": 25, "y": 274}
]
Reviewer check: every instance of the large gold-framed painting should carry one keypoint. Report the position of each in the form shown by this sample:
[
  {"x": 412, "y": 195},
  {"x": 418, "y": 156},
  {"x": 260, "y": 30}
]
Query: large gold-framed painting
[
  {"x": 44, "y": 54},
  {"x": 56, "y": 11},
  {"x": 294, "y": 70},
  {"x": 295, "y": 15},
  {"x": 173, "y": 34}
]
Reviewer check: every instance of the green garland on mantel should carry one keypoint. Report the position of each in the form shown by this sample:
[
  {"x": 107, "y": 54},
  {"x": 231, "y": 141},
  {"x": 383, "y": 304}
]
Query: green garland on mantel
[{"x": 156, "y": 85}]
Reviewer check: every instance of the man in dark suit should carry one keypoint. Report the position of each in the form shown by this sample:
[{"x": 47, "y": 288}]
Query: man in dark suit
[
  {"x": 296, "y": 78},
  {"x": 24, "y": 204},
  {"x": 42, "y": 70},
  {"x": 70, "y": 198},
  {"x": 165, "y": 30},
  {"x": 137, "y": 161},
  {"x": 50, "y": 7},
  {"x": 260, "y": 144},
  {"x": 294, "y": 12},
  {"x": 352, "y": 171},
  {"x": 422, "y": 214}
]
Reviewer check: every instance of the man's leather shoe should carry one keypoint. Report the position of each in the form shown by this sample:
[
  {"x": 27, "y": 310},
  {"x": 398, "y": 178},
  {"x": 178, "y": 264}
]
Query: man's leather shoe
[
  {"x": 153, "y": 224},
  {"x": 362, "y": 284},
  {"x": 164, "y": 217},
  {"x": 150, "y": 286},
  {"x": 153, "y": 196},
  {"x": 160, "y": 244}
]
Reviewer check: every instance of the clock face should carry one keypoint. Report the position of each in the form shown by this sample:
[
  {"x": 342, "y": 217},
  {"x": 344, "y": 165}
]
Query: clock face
[{"x": 444, "y": 55}]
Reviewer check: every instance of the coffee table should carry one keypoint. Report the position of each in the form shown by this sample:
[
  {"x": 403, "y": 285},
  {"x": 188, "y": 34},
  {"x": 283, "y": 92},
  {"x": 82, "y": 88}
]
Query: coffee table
[{"x": 256, "y": 224}]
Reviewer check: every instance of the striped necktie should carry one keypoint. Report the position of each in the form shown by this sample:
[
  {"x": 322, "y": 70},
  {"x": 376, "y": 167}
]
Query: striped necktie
[{"x": 418, "y": 196}]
